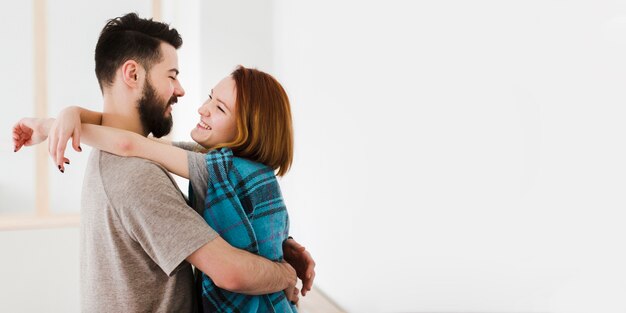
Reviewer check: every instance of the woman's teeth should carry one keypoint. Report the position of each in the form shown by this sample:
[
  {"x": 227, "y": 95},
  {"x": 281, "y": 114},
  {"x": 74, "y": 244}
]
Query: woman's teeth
[{"x": 205, "y": 126}]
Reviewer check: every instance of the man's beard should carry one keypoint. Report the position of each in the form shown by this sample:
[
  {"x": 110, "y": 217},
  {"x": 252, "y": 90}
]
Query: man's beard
[{"x": 152, "y": 112}]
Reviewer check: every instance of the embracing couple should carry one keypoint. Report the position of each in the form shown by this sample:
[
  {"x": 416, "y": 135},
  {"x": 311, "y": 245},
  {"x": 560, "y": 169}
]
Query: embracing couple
[{"x": 138, "y": 235}]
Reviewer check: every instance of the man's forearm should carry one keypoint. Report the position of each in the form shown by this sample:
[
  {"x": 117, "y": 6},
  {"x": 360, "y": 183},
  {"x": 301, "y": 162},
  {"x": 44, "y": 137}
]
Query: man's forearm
[
  {"x": 240, "y": 271},
  {"x": 258, "y": 275}
]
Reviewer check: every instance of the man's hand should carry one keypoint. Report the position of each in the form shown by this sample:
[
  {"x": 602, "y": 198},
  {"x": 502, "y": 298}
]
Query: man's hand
[
  {"x": 296, "y": 255},
  {"x": 30, "y": 131},
  {"x": 292, "y": 294},
  {"x": 290, "y": 275},
  {"x": 66, "y": 126}
]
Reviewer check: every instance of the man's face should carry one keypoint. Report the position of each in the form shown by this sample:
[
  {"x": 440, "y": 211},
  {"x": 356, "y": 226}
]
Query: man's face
[
  {"x": 161, "y": 90},
  {"x": 155, "y": 113}
]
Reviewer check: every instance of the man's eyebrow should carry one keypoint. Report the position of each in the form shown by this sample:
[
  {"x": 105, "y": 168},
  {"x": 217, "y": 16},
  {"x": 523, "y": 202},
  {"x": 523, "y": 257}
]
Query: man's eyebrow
[{"x": 174, "y": 70}]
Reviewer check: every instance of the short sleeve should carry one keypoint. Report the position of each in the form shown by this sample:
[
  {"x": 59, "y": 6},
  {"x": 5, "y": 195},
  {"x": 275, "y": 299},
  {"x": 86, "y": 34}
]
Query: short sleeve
[
  {"x": 204, "y": 168},
  {"x": 185, "y": 145},
  {"x": 198, "y": 179},
  {"x": 154, "y": 213}
]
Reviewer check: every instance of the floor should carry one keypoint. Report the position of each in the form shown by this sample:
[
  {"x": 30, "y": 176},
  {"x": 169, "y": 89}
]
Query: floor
[{"x": 317, "y": 302}]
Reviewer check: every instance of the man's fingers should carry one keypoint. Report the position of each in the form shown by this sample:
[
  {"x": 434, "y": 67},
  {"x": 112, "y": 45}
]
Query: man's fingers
[
  {"x": 296, "y": 246},
  {"x": 310, "y": 269},
  {"x": 294, "y": 296},
  {"x": 308, "y": 283},
  {"x": 304, "y": 290}
]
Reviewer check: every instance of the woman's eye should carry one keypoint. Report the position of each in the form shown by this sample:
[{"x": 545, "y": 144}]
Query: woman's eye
[
  {"x": 211, "y": 97},
  {"x": 221, "y": 109}
]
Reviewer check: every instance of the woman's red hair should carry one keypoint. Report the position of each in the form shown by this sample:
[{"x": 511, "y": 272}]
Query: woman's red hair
[{"x": 263, "y": 114}]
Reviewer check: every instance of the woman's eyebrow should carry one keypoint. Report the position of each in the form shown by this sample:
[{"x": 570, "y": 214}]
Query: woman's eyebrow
[{"x": 220, "y": 100}]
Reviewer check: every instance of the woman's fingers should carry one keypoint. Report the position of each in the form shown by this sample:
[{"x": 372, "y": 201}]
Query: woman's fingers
[{"x": 76, "y": 140}]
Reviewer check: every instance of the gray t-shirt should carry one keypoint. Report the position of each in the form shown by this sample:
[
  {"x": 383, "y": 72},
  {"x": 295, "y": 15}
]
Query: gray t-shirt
[
  {"x": 198, "y": 172},
  {"x": 136, "y": 232}
]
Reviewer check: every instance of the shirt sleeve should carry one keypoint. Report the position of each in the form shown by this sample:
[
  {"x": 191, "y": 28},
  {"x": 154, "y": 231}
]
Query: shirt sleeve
[
  {"x": 198, "y": 179},
  {"x": 185, "y": 145},
  {"x": 154, "y": 213}
]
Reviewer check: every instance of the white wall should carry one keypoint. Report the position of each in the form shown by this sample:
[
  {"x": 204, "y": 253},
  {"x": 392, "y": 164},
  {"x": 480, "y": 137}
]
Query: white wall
[
  {"x": 451, "y": 156},
  {"x": 18, "y": 172},
  {"x": 39, "y": 270},
  {"x": 459, "y": 156}
]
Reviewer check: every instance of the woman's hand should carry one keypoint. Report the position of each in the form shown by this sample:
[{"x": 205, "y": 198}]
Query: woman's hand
[
  {"x": 66, "y": 126},
  {"x": 301, "y": 260},
  {"x": 30, "y": 131}
]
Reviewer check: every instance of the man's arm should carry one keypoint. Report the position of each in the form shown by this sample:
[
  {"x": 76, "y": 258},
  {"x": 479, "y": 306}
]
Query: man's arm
[
  {"x": 155, "y": 214},
  {"x": 240, "y": 271}
]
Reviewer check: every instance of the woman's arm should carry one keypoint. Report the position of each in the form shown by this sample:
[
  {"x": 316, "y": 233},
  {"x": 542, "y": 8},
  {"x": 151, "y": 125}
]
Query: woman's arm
[
  {"x": 86, "y": 116},
  {"x": 66, "y": 126},
  {"x": 126, "y": 143}
]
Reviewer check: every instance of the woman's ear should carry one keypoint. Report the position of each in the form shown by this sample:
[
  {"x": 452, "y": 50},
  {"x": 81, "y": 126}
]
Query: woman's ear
[{"x": 131, "y": 73}]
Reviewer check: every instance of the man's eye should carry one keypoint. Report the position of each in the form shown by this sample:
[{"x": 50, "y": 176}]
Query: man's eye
[{"x": 173, "y": 78}]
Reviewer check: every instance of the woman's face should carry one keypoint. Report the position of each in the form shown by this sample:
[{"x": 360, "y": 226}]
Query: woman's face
[{"x": 218, "y": 123}]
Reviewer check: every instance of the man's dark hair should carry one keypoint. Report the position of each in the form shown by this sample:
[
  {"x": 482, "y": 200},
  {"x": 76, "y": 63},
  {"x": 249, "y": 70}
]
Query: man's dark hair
[{"x": 130, "y": 37}]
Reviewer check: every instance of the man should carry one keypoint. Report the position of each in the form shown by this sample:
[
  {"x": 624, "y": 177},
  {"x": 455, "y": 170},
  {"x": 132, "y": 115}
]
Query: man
[{"x": 136, "y": 229}]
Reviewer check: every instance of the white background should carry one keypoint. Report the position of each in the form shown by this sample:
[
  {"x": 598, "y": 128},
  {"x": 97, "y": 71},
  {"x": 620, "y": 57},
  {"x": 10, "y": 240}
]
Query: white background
[{"x": 451, "y": 156}]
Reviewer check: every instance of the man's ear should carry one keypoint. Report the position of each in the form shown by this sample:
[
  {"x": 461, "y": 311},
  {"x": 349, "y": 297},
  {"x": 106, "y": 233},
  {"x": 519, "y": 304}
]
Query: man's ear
[{"x": 131, "y": 73}]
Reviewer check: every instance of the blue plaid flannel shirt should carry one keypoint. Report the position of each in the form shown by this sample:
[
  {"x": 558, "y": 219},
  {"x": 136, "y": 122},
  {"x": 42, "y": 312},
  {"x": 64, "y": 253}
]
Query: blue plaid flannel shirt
[{"x": 245, "y": 206}]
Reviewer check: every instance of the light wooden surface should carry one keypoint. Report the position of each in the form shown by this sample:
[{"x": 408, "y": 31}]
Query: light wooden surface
[
  {"x": 14, "y": 222},
  {"x": 317, "y": 302},
  {"x": 42, "y": 200}
]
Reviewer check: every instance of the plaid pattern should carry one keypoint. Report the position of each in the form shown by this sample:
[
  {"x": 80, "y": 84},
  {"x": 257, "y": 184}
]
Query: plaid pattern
[{"x": 245, "y": 206}]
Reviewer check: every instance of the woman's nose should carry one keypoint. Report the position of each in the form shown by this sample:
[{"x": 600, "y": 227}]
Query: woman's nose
[{"x": 204, "y": 110}]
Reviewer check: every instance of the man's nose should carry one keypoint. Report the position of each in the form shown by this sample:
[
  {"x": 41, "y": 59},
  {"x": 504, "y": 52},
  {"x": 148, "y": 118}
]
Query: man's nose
[{"x": 178, "y": 90}]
